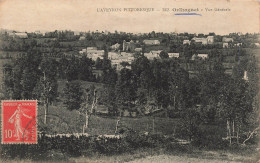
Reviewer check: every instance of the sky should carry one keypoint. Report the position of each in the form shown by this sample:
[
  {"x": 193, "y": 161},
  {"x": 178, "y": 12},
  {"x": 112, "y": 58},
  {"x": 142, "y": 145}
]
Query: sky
[{"x": 82, "y": 15}]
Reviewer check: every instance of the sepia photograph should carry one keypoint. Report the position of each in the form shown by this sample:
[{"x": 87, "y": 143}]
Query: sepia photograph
[{"x": 112, "y": 81}]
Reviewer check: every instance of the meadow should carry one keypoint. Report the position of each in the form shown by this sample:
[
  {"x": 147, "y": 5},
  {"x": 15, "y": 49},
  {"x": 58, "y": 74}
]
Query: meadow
[{"x": 100, "y": 125}]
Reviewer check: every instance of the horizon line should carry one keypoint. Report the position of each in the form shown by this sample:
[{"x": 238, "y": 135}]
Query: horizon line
[{"x": 86, "y": 31}]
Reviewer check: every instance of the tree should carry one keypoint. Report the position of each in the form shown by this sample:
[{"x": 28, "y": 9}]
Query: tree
[
  {"x": 98, "y": 63},
  {"x": 160, "y": 83},
  {"x": 85, "y": 69},
  {"x": 72, "y": 94},
  {"x": 72, "y": 71},
  {"x": 236, "y": 104},
  {"x": 139, "y": 65},
  {"x": 46, "y": 88},
  {"x": 211, "y": 82},
  {"x": 124, "y": 64},
  {"x": 17, "y": 77},
  {"x": 24, "y": 75},
  {"x": 90, "y": 100},
  {"x": 106, "y": 64},
  {"x": 189, "y": 112},
  {"x": 8, "y": 80},
  {"x": 62, "y": 68},
  {"x": 178, "y": 79},
  {"x": 108, "y": 98},
  {"x": 125, "y": 90},
  {"x": 163, "y": 55}
]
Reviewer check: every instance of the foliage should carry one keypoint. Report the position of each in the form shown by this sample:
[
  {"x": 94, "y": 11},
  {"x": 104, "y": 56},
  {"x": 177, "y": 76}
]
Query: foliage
[
  {"x": 73, "y": 95},
  {"x": 164, "y": 55},
  {"x": 78, "y": 146}
]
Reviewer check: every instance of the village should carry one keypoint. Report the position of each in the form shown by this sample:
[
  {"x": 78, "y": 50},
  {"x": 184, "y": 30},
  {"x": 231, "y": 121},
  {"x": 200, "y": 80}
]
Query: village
[{"x": 151, "y": 48}]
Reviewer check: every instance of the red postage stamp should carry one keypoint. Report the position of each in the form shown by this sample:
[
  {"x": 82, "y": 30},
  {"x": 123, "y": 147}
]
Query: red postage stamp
[{"x": 19, "y": 122}]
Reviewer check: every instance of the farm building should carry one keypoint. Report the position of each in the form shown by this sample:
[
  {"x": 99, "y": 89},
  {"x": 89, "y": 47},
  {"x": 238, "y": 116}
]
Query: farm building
[{"x": 151, "y": 42}]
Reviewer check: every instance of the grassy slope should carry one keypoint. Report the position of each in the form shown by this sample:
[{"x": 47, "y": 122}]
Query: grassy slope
[{"x": 71, "y": 121}]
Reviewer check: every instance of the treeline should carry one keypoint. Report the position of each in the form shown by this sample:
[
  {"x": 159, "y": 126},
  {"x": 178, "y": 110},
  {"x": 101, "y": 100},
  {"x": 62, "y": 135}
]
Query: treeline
[
  {"x": 28, "y": 76},
  {"x": 211, "y": 97},
  {"x": 163, "y": 84}
]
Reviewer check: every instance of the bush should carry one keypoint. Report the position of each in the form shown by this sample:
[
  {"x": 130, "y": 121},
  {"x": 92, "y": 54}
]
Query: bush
[
  {"x": 178, "y": 148},
  {"x": 209, "y": 138}
]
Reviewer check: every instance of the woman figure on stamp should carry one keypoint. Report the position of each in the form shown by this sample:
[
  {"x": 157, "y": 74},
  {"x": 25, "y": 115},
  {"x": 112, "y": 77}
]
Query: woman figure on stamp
[{"x": 16, "y": 118}]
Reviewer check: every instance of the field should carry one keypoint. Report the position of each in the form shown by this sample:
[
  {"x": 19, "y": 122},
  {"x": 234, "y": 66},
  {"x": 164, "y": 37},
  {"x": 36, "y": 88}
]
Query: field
[
  {"x": 62, "y": 120},
  {"x": 100, "y": 125}
]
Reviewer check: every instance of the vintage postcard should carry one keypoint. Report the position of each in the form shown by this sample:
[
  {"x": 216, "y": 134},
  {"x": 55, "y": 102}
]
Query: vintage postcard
[{"x": 129, "y": 81}]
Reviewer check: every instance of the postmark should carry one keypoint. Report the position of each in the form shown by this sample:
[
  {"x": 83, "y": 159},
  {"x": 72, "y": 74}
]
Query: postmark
[{"x": 19, "y": 122}]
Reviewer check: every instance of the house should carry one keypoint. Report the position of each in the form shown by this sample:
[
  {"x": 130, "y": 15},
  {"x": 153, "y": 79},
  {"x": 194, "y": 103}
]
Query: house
[
  {"x": 82, "y": 38},
  {"x": 152, "y": 54},
  {"x": 76, "y": 33},
  {"x": 83, "y": 51},
  {"x": 37, "y": 32},
  {"x": 138, "y": 50},
  {"x": 128, "y": 46},
  {"x": 257, "y": 44},
  {"x": 225, "y": 45},
  {"x": 125, "y": 54},
  {"x": 115, "y": 46},
  {"x": 210, "y": 39},
  {"x": 124, "y": 59},
  {"x": 95, "y": 56},
  {"x": 21, "y": 35},
  {"x": 175, "y": 55},
  {"x": 118, "y": 58},
  {"x": 227, "y": 39},
  {"x": 113, "y": 55},
  {"x": 93, "y": 53},
  {"x": 151, "y": 42},
  {"x": 127, "y": 57},
  {"x": 203, "y": 56},
  {"x": 157, "y": 52},
  {"x": 203, "y": 41},
  {"x": 91, "y": 48},
  {"x": 115, "y": 61},
  {"x": 11, "y": 34},
  {"x": 186, "y": 42}
]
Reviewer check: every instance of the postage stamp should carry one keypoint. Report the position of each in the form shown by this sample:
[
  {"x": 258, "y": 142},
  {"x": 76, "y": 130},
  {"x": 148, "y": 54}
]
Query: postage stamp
[{"x": 19, "y": 122}]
